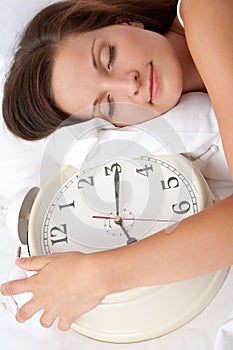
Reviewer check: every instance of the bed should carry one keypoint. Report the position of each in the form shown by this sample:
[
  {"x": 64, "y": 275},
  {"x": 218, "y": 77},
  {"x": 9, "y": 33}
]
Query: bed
[{"x": 20, "y": 167}]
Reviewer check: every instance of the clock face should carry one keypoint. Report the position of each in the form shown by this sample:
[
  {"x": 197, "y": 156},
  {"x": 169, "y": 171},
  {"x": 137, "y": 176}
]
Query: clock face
[{"x": 115, "y": 204}]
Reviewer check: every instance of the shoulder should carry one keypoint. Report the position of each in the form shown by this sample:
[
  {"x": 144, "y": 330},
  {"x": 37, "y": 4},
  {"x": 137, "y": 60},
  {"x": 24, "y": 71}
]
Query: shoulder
[
  {"x": 209, "y": 32},
  {"x": 198, "y": 9}
]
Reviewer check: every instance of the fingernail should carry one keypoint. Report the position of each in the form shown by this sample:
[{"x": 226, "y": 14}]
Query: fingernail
[{"x": 20, "y": 261}]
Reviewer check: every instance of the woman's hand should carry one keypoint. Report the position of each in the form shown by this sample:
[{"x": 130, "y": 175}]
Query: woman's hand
[{"x": 65, "y": 286}]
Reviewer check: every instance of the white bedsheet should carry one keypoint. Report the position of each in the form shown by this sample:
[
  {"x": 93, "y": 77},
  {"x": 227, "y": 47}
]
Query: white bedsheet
[{"x": 20, "y": 167}]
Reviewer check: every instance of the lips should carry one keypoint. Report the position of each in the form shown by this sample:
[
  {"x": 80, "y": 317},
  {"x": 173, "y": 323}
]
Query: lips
[{"x": 153, "y": 83}]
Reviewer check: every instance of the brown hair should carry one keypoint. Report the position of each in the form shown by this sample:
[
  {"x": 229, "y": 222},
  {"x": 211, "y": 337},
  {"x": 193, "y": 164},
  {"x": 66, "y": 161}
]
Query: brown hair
[{"x": 28, "y": 107}]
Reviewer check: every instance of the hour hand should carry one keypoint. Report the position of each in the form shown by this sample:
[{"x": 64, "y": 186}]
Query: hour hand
[{"x": 119, "y": 222}]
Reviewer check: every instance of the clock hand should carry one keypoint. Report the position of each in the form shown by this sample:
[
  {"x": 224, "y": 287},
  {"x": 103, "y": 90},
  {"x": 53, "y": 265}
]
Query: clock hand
[
  {"x": 117, "y": 187},
  {"x": 118, "y": 221},
  {"x": 134, "y": 219}
]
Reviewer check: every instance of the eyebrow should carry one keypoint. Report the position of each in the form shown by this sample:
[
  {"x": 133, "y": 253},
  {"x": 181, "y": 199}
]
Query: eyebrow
[
  {"x": 93, "y": 54},
  {"x": 95, "y": 66}
]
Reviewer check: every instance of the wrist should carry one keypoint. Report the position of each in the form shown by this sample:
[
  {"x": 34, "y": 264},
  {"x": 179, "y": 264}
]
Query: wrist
[
  {"x": 114, "y": 268},
  {"x": 101, "y": 272},
  {"x": 106, "y": 271}
]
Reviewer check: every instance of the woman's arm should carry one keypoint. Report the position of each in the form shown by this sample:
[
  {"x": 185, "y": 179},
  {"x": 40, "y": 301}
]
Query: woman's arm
[
  {"x": 208, "y": 28},
  {"x": 200, "y": 244}
]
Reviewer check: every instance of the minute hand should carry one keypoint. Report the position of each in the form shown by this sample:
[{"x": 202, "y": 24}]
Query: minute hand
[{"x": 117, "y": 188}]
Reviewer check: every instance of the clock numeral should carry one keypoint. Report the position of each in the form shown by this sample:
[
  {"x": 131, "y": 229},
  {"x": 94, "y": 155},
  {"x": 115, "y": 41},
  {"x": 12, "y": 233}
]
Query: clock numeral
[
  {"x": 108, "y": 171},
  {"x": 172, "y": 182},
  {"x": 89, "y": 181},
  {"x": 72, "y": 204},
  {"x": 58, "y": 234},
  {"x": 183, "y": 207},
  {"x": 145, "y": 171}
]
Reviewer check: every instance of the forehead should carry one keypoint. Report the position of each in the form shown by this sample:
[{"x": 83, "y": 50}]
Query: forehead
[
  {"x": 119, "y": 32},
  {"x": 70, "y": 61}
]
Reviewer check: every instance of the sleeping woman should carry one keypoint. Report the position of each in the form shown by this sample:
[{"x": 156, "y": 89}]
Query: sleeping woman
[{"x": 78, "y": 54}]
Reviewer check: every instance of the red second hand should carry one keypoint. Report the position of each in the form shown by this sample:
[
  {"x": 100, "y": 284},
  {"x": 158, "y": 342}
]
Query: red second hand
[{"x": 110, "y": 217}]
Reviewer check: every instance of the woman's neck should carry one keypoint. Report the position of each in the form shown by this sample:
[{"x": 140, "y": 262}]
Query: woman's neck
[{"x": 191, "y": 77}]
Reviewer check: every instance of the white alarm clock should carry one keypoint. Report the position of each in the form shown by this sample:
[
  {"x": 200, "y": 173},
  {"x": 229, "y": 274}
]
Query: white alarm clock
[{"x": 114, "y": 204}]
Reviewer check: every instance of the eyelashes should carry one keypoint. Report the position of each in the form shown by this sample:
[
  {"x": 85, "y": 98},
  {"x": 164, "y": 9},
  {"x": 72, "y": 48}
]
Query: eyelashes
[
  {"x": 110, "y": 106},
  {"x": 111, "y": 56},
  {"x": 110, "y": 63}
]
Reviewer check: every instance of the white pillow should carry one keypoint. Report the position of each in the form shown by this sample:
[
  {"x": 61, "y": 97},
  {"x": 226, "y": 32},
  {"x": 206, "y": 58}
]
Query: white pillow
[
  {"x": 14, "y": 15},
  {"x": 190, "y": 127}
]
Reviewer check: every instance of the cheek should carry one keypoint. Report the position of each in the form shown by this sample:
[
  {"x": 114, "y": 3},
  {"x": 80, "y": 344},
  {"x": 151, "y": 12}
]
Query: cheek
[
  {"x": 135, "y": 43},
  {"x": 130, "y": 114}
]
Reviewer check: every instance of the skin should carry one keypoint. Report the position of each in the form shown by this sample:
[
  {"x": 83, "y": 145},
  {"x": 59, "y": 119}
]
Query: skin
[{"x": 197, "y": 246}]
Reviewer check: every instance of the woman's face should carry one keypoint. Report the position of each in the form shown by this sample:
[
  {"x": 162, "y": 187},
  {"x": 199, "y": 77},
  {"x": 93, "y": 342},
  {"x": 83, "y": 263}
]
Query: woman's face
[{"x": 120, "y": 63}]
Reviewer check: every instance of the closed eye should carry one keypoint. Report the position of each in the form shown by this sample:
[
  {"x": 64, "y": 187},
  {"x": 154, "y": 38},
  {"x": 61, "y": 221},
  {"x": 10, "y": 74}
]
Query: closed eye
[
  {"x": 111, "y": 56},
  {"x": 110, "y": 104}
]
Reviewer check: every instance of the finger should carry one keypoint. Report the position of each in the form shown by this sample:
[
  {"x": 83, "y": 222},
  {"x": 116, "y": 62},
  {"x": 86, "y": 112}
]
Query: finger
[
  {"x": 64, "y": 325},
  {"x": 27, "y": 311},
  {"x": 32, "y": 264},
  {"x": 47, "y": 319},
  {"x": 15, "y": 287}
]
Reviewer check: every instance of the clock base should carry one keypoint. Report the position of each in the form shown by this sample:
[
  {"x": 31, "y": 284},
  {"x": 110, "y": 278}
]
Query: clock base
[{"x": 148, "y": 312}]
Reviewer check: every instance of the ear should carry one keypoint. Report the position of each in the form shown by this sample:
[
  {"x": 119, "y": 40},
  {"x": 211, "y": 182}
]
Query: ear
[
  {"x": 136, "y": 24},
  {"x": 130, "y": 22}
]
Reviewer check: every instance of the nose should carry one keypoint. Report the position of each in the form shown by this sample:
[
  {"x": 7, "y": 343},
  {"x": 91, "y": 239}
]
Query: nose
[{"x": 127, "y": 84}]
